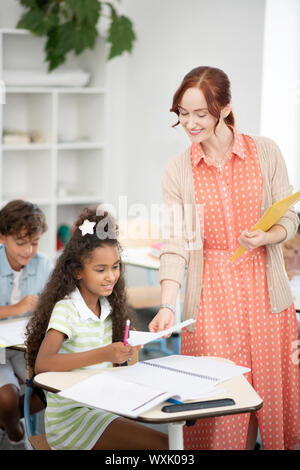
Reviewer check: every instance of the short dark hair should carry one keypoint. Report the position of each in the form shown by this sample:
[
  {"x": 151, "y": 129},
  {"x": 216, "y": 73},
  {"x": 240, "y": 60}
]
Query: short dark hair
[{"x": 18, "y": 215}]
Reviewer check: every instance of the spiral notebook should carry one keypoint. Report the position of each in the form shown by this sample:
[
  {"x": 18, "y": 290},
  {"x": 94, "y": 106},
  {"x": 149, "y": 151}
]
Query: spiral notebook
[{"x": 130, "y": 391}]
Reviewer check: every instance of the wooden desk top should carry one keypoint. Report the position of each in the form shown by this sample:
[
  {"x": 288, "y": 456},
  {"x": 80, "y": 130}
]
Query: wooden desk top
[
  {"x": 238, "y": 388},
  {"x": 18, "y": 347}
]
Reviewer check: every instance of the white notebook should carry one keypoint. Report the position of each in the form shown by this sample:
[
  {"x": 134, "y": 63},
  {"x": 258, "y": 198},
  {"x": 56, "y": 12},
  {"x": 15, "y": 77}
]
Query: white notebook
[
  {"x": 12, "y": 332},
  {"x": 130, "y": 391}
]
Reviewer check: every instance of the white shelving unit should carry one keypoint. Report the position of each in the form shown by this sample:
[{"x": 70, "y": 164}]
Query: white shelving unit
[{"x": 70, "y": 168}]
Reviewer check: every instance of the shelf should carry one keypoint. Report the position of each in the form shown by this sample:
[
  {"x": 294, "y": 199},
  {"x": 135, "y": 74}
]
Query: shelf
[
  {"x": 80, "y": 146},
  {"x": 27, "y": 175},
  {"x": 77, "y": 200},
  {"x": 67, "y": 146},
  {"x": 76, "y": 117},
  {"x": 79, "y": 172},
  {"x": 38, "y": 201},
  {"x": 70, "y": 168},
  {"x": 85, "y": 90},
  {"x": 14, "y": 31},
  {"x": 62, "y": 90},
  {"x": 29, "y": 112},
  {"x": 24, "y": 50},
  {"x": 25, "y": 147}
]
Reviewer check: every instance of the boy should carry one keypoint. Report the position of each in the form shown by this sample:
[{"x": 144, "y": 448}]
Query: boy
[{"x": 23, "y": 274}]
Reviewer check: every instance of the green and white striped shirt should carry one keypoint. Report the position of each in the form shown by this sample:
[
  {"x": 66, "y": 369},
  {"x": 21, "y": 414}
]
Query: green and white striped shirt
[{"x": 70, "y": 425}]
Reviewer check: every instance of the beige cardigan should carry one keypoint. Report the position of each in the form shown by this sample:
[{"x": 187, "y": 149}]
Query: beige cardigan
[{"x": 178, "y": 188}]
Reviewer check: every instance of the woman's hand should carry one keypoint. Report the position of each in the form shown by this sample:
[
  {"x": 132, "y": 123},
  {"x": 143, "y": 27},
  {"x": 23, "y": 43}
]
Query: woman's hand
[
  {"x": 163, "y": 320},
  {"x": 117, "y": 353},
  {"x": 254, "y": 239},
  {"x": 251, "y": 240}
]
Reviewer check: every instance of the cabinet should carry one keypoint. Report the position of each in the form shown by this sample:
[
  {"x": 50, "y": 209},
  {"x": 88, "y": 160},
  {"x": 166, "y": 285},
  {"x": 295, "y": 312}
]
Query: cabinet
[{"x": 68, "y": 168}]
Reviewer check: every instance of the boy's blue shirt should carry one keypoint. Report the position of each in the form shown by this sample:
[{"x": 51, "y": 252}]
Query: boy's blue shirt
[{"x": 34, "y": 276}]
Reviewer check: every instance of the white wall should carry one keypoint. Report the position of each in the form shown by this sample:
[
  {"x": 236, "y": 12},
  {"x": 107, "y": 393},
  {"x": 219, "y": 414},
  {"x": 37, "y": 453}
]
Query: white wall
[
  {"x": 173, "y": 37},
  {"x": 281, "y": 81},
  {"x": 10, "y": 13}
]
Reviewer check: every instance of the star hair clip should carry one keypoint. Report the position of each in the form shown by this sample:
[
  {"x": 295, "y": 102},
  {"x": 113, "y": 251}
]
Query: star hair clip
[{"x": 87, "y": 227}]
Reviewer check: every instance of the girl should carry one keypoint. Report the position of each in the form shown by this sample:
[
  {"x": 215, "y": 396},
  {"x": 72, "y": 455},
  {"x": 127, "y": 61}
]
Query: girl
[
  {"x": 79, "y": 323},
  {"x": 244, "y": 310}
]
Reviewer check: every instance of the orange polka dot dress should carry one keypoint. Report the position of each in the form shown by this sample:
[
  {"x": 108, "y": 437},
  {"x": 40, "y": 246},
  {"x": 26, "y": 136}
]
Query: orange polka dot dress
[{"x": 234, "y": 319}]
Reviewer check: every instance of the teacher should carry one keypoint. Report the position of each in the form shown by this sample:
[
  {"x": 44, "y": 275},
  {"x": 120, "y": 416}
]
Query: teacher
[{"x": 244, "y": 309}]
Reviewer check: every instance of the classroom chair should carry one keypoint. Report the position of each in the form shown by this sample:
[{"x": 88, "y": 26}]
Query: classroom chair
[{"x": 37, "y": 441}]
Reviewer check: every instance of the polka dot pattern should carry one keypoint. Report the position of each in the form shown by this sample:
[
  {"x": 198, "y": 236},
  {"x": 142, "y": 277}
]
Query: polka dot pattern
[{"x": 234, "y": 319}]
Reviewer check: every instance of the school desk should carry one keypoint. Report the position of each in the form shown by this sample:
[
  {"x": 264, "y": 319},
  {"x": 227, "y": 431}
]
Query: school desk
[
  {"x": 238, "y": 389},
  {"x": 13, "y": 321}
]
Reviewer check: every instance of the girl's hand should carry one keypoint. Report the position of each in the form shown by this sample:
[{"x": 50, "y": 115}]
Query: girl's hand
[
  {"x": 163, "y": 320},
  {"x": 254, "y": 239},
  {"x": 118, "y": 353}
]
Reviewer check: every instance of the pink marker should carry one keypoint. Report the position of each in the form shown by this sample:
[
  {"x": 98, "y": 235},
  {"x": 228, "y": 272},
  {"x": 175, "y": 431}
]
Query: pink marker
[{"x": 126, "y": 332}]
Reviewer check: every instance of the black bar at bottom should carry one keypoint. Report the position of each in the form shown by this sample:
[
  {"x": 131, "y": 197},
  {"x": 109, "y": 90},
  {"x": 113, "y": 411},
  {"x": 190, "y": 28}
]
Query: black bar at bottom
[{"x": 198, "y": 405}]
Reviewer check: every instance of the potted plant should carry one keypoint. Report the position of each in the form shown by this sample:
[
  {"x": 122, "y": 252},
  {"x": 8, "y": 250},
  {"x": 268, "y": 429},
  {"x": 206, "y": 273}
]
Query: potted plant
[{"x": 72, "y": 25}]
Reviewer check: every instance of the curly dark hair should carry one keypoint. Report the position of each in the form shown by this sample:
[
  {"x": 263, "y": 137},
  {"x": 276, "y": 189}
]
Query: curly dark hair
[
  {"x": 63, "y": 281},
  {"x": 22, "y": 217}
]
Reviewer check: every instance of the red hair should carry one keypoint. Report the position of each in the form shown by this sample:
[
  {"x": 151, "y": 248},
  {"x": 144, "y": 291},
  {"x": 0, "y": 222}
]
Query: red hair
[{"x": 215, "y": 86}]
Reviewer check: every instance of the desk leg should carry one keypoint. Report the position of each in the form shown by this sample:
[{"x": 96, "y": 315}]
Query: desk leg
[{"x": 175, "y": 433}]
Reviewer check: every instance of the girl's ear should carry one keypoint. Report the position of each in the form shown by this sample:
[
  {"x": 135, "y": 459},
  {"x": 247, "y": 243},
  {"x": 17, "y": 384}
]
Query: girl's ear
[
  {"x": 78, "y": 276},
  {"x": 2, "y": 239}
]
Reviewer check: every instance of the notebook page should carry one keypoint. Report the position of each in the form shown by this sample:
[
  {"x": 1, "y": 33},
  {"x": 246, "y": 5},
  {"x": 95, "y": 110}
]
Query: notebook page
[
  {"x": 214, "y": 368},
  {"x": 186, "y": 387},
  {"x": 107, "y": 392},
  {"x": 12, "y": 332},
  {"x": 137, "y": 338}
]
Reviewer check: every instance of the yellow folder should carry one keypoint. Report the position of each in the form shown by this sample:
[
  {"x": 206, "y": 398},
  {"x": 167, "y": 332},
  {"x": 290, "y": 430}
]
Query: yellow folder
[{"x": 270, "y": 217}]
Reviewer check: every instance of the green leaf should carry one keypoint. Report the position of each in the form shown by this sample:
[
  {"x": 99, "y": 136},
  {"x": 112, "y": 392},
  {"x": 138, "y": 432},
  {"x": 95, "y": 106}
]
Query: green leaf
[
  {"x": 71, "y": 25},
  {"x": 52, "y": 56},
  {"x": 86, "y": 10},
  {"x": 40, "y": 21},
  {"x": 121, "y": 36},
  {"x": 59, "y": 43},
  {"x": 113, "y": 11},
  {"x": 60, "y": 39},
  {"x": 84, "y": 36},
  {"x": 29, "y": 3},
  {"x": 44, "y": 3},
  {"x": 66, "y": 37},
  {"x": 34, "y": 21}
]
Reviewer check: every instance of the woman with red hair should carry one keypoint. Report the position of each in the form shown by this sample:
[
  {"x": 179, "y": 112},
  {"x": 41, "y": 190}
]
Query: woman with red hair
[{"x": 243, "y": 309}]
